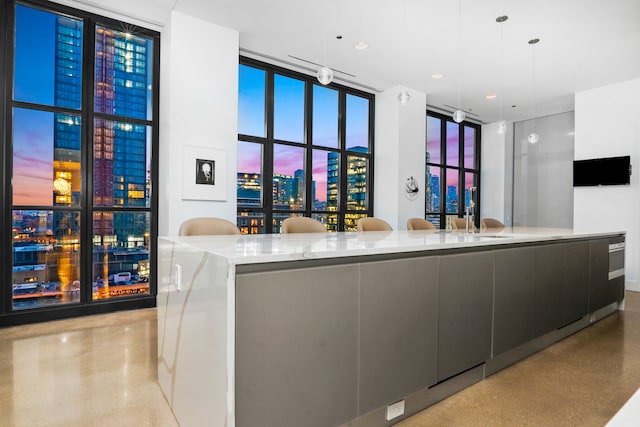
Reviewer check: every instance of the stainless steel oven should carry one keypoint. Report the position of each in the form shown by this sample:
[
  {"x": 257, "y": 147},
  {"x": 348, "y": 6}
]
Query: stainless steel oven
[{"x": 616, "y": 260}]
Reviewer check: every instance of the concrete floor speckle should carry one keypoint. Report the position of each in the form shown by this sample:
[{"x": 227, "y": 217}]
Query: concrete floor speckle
[
  {"x": 582, "y": 380},
  {"x": 101, "y": 371}
]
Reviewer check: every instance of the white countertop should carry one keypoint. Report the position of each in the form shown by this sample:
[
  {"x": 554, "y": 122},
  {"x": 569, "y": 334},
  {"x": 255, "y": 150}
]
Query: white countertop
[{"x": 263, "y": 248}]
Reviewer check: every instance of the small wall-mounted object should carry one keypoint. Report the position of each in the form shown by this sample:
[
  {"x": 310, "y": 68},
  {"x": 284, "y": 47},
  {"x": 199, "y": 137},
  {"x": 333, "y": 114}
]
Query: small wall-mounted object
[
  {"x": 204, "y": 173},
  {"x": 411, "y": 189},
  {"x": 602, "y": 171}
]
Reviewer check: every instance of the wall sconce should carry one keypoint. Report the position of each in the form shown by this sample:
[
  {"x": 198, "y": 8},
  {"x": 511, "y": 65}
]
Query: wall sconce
[{"x": 404, "y": 97}]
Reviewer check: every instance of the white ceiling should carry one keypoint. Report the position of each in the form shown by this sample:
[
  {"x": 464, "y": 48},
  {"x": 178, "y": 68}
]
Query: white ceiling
[{"x": 584, "y": 44}]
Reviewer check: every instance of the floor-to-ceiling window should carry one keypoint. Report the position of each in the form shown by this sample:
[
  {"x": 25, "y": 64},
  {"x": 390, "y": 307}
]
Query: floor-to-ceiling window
[
  {"x": 80, "y": 133},
  {"x": 303, "y": 149},
  {"x": 452, "y": 169}
]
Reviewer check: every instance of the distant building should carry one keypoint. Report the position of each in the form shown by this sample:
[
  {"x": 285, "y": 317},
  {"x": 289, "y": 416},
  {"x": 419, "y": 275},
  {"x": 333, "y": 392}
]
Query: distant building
[
  {"x": 120, "y": 149},
  {"x": 249, "y": 189},
  {"x": 249, "y": 195},
  {"x": 433, "y": 191},
  {"x": 357, "y": 180},
  {"x": 67, "y": 127},
  {"x": 452, "y": 199},
  {"x": 285, "y": 193}
]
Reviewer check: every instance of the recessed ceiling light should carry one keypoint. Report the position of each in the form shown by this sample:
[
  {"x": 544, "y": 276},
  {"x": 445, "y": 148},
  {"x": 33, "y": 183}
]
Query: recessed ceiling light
[
  {"x": 490, "y": 96},
  {"x": 437, "y": 75},
  {"x": 361, "y": 45}
]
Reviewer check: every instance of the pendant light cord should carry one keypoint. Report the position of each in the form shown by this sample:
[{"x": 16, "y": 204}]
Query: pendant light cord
[
  {"x": 533, "y": 82},
  {"x": 460, "y": 64},
  {"x": 501, "y": 70},
  {"x": 533, "y": 136}
]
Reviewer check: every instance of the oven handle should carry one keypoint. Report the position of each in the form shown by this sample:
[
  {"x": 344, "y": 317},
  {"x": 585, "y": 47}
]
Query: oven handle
[{"x": 616, "y": 247}]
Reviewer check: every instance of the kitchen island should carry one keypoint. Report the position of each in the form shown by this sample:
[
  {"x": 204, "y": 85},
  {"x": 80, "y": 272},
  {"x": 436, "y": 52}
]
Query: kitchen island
[{"x": 365, "y": 329}]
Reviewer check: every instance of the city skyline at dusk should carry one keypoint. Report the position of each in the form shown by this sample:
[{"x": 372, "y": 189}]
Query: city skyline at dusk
[
  {"x": 47, "y": 168},
  {"x": 289, "y": 124}
]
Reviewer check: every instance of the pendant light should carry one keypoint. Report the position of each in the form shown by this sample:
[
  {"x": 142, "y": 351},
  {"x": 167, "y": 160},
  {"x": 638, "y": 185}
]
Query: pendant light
[
  {"x": 325, "y": 74},
  {"x": 404, "y": 97},
  {"x": 502, "y": 126},
  {"x": 533, "y": 136},
  {"x": 459, "y": 115}
]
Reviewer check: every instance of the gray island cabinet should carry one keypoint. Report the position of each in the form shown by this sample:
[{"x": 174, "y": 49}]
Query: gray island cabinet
[{"x": 364, "y": 329}]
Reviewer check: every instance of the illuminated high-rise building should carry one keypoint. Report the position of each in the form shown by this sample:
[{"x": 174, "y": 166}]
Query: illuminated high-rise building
[
  {"x": 434, "y": 193},
  {"x": 120, "y": 148},
  {"x": 249, "y": 189},
  {"x": 333, "y": 165},
  {"x": 356, "y": 185},
  {"x": 299, "y": 176},
  {"x": 357, "y": 180},
  {"x": 452, "y": 198},
  {"x": 67, "y": 129},
  {"x": 285, "y": 192}
]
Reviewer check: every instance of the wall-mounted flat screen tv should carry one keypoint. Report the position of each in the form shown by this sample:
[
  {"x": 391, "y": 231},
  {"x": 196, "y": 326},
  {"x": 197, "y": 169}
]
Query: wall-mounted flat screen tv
[{"x": 603, "y": 171}]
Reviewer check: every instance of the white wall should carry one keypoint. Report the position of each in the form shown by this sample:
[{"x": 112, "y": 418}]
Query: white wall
[
  {"x": 496, "y": 175},
  {"x": 607, "y": 125},
  {"x": 400, "y": 136},
  {"x": 199, "y": 107}
]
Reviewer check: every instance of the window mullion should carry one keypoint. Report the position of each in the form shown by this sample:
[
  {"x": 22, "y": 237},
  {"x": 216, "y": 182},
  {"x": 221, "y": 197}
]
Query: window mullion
[
  {"x": 308, "y": 136},
  {"x": 443, "y": 171},
  {"x": 267, "y": 153},
  {"x": 342, "y": 158},
  {"x": 86, "y": 144}
]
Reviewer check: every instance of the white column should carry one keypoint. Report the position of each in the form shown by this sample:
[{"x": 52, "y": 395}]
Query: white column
[
  {"x": 199, "y": 107},
  {"x": 400, "y": 136}
]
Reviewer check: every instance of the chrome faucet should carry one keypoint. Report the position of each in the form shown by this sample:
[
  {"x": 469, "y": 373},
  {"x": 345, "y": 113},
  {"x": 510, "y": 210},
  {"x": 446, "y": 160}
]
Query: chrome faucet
[{"x": 469, "y": 211}]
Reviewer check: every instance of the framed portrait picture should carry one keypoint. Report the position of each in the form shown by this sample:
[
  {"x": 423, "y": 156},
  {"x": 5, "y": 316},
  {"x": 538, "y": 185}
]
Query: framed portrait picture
[{"x": 204, "y": 173}]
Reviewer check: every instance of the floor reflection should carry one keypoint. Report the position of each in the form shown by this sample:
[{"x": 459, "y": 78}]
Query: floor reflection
[
  {"x": 95, "y": 370},
  {"x": 101, "y": 370}
]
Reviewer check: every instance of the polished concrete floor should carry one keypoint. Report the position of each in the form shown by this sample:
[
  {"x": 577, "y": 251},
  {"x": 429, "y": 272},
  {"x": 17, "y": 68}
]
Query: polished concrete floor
[
  {"x": 89, "y": 371},
  {"x": 101, "y": 371},
  {"x": 580, "y": 381}
]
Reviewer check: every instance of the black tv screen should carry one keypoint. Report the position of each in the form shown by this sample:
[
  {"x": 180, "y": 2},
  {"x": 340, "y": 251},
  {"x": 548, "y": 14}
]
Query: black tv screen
[{"x": 604, "y": 171}]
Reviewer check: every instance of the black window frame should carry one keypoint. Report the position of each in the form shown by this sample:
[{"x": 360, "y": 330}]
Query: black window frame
[
  {"x": 268, "y": 142},
  {"x": 86, "y": 305},
  {"x": 442, "y": 213}
]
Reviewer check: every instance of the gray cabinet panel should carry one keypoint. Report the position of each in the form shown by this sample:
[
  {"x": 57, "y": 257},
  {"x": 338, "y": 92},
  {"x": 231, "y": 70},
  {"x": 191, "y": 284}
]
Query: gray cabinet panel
[
  {"x": 296, "y": 347},
  {"x": 617, "y": 288},
  {"x": 576, "y": 281},
  {"x": 465, "y": 295},
  {"x": 513, "y": 305},
  {"x": 548, "y": 289},
  {"x": 398, "y": 327},
  {"x": 600, "y": 293}
]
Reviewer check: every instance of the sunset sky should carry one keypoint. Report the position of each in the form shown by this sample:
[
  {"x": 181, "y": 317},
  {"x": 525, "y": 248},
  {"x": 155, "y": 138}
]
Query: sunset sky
[
  {"x": 33, "y": 130},
  {"x": 34, "y": 82},
  {"x": 289, "y": 124}
]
